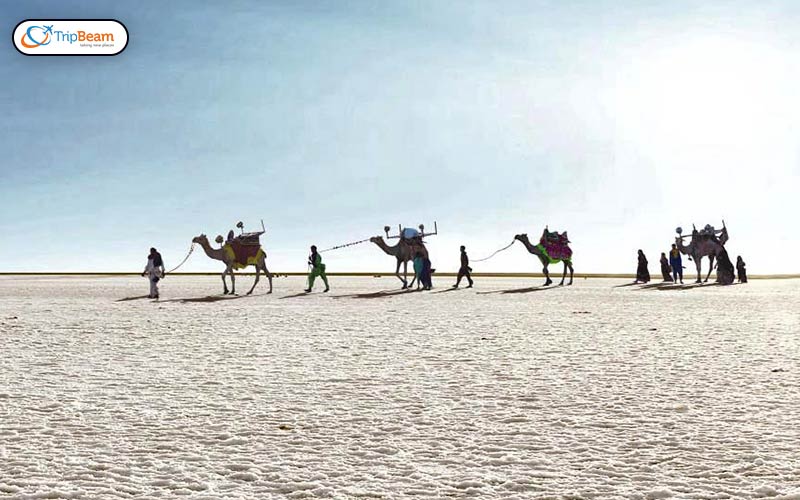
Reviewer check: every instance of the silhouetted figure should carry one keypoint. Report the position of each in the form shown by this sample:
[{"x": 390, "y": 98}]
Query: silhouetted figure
[
  {"x": 317, "y": 269},
  {"x": 676, "y": 263},
  {"x": 464, "y": 270},
  {"x": 725, "y": 274},
  {"x": 642, "y": 274},
  {"x": 740, "y": 269},
  {"x": 665, "y": 269}
]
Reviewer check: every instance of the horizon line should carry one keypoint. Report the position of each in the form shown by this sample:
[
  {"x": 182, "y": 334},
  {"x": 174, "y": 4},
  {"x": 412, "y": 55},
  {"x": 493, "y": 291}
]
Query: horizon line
[{"x": 357, "y": 274}]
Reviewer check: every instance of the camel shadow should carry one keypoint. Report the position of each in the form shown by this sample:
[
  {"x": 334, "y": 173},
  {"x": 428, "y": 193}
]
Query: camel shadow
[
  {"x": 689, "y": 286},
  {"x": 126, "y": 299},
  {"x": 540, "y": 288},
  {"x": 378, "y": 295},
  {"x": 451, "y": 289},
  {"x": 294, "y": 296},
  {"x": 624, "y": 285},
  {"x": 656, "y": 286},
  {"x": 208, "y": 299}
]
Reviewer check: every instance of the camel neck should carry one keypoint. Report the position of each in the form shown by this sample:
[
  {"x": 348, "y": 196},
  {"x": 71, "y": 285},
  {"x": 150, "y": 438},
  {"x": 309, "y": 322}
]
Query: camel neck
[
  {"x": 211, "y": 252},
  {"x": 386, "y": 248}
]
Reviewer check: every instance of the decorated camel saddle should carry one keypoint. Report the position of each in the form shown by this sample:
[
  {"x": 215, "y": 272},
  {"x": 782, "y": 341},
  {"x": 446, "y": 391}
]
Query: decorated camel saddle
[
  {"x": 555, "y": 245},
  {"x": 244, "y": 250},
  {"x": 709, "y": 232},
  {"x": 412, "y": 236}
]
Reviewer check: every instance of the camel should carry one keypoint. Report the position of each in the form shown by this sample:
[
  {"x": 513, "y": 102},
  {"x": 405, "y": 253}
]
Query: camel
[
  {"x": 703, "y": 246},
  {"x": 404, "y": 252},
  {"x": 221, "y": 254},
  {"x": 535, "y": 250}
]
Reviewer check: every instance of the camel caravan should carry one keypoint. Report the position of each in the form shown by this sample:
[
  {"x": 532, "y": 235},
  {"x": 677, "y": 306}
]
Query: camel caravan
[{"x": 241, "y": 251}]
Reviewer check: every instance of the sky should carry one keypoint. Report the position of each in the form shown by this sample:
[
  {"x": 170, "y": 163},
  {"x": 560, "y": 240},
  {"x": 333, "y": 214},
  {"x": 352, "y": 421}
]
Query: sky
[{"x": 615, "y": 120}]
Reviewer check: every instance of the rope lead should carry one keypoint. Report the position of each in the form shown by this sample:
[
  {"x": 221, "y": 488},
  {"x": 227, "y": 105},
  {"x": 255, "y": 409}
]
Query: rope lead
[
  {"x": 191, "y": 249},
  {"x": 497, "y": 252}
]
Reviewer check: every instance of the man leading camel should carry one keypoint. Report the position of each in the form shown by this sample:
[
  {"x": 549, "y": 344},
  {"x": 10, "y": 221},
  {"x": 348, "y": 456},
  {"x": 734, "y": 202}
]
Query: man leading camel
[
  {"x": 464, "y": 271},
  {"x": 317, "y": 269},
  {"x": 154, "y": 271}
]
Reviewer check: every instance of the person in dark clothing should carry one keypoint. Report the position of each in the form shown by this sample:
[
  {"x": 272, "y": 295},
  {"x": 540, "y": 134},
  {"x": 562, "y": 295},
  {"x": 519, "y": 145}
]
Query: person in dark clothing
[
  {"x": 724, "y": 268},
  {"x": 464, "y": 270},
  {"x": 665, "y": 270},
  {"x": 157, "y": 260},
  {"x": 427, "y": 282},
  {"x": 740, "y": 269},
  {"x": 642, "y": 274},
  {"x": 676, "y": 263}
]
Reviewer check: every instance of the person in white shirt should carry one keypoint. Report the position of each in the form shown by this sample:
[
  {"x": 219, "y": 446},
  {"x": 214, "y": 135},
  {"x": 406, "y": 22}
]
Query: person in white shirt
[{"x": 154, "y": 271}]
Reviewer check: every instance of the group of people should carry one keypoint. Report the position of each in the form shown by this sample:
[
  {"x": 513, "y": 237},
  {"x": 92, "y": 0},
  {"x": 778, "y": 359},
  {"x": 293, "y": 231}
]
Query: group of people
[
  {"x": 672, "y": 267},
  {"x": 154, "y": 270},
  {"x": 422, "y": 270}
]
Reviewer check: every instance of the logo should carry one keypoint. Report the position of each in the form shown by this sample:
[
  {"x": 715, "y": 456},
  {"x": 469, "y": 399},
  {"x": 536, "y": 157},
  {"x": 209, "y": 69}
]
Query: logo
[
  {"x": 70, "y": 37},
  {"x": 32, "y": 36}
]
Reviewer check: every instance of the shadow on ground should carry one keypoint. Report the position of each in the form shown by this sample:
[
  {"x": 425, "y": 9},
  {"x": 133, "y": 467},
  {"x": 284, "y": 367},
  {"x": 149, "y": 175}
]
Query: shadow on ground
[
  {"x": 377, "y": 295},
  {"x": 139, "y": 297},
  {"x": 209, "y": 299},
  {"x": 451, "y": 289},
  {"x": 530, "y": 289}
]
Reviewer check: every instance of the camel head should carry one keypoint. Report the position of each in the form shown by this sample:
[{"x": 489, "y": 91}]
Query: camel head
[
  {"x": 376, "y": 239},
  {"x": 521, "y": 237},
  {"x": 202, "y": 239}
]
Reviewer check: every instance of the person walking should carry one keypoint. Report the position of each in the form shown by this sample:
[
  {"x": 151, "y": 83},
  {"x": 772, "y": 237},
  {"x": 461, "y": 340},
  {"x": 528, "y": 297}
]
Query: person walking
[
  {"x": 665, "y": 270},
  {"x": 676, "y": 263},
  {"x": 317, "y": 269},
  {"x": 419, "y": 265},
  {"x": 154, "y": 271},
  {"x": 642, "y": 274},
  {"x": 464, "y": 270},
  {"x": 427, "y": 271},
  {"x": 741, "y": 270}
]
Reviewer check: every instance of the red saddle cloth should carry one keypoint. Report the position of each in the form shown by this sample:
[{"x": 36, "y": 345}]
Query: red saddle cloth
[
  {"x": 557, "y": 246},
  {"x": 244, "y": 251}
]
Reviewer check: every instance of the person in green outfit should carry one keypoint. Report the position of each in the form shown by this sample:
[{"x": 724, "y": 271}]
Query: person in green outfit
[{"x": 317, "y": 269}]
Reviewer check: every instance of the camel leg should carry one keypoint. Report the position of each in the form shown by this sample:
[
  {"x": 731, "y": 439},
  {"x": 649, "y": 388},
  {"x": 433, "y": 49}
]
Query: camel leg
[
  {"x": 697, "y": 264},
  {"x": 710, "y": 267},
  {"x": 397, "y": 273},
  {"x": 258, "y": 275},
  {"x": 224, "y": 283},
  {"x": 233, "y": 281},
  {"x": 568, "y": 264},
  {"x": 269, "y": 276},
  {"x": 546, "y": 275},
  {"x": 564, "y": 274}
]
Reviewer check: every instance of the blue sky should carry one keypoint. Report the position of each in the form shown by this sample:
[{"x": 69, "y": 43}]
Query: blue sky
[{"x": 615, "y": 120}]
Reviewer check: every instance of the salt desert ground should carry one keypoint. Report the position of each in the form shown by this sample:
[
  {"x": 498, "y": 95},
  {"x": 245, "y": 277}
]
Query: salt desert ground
[{"x": 496, "y": 392}]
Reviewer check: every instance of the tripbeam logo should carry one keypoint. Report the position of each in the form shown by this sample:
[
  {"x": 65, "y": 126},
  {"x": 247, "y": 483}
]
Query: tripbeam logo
[
  {"x": 70, "y": 37},
  {"x": 36, "y": 36}
]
